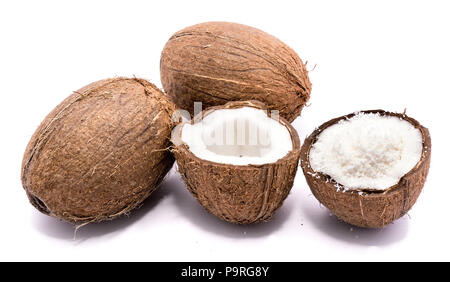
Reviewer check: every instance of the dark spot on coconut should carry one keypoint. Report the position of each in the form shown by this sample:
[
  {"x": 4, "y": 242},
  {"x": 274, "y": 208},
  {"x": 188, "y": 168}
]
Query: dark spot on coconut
[{"x": 39, "y": 204}]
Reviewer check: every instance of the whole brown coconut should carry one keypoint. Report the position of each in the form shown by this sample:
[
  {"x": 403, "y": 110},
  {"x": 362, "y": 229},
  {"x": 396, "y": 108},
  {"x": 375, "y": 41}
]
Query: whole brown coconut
[
  {"x": 217, "y": 62},
  {"x": 368, "y": 207},
  {"x": 240, "y": 194},
  {"x": 101, "y": 152}
]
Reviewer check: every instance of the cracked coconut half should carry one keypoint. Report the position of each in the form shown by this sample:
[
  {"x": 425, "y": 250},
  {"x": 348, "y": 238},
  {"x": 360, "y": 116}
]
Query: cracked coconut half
[
  {"x": 239, "y": 160},
  {"x": 368, "y": 167}
]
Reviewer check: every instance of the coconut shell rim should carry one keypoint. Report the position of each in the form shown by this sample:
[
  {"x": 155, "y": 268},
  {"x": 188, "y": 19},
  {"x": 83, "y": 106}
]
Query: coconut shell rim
[
  {"x": 240, "y": 104},
  {"x": 312, "y": 138}
]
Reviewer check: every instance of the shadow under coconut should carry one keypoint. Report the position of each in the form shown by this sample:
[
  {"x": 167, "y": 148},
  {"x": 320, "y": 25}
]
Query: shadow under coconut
[
  {"x": 56, "y": 228},
  {"x": 320, "y": 217},
  {"x": 194, "y": 212}
]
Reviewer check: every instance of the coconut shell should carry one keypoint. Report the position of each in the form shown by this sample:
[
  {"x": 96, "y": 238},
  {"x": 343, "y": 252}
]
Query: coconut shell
[
  {"x": 217, "y": 62},
  {"x": 368, "y": 207},
  {"x": 100, "y": 152},
  {"x": 239, "y": 193}
]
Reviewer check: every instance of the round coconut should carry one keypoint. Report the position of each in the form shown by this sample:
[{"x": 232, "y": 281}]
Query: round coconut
[
  {"x": 100, "y": 152},
  {"x": 238, "y": 193},
  {"x": 217, "y": 62},
  {"x": 368, "y": 207}
]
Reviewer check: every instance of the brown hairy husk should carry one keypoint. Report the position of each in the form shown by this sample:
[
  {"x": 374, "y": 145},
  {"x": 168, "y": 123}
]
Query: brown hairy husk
[
  {"x": 239, "y": 193},
  {"x": 218, "y": 62},
  {"x": 99, "y": 153},
  {"x": 368, "y": 207}
]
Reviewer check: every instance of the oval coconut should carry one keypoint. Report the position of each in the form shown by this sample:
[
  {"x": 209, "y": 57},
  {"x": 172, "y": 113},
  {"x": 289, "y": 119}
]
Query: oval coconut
[
  {"x": 101, "y": 152},
  {"x": 238, "y": 193},
  {"x": 368, "y": 207},
  {"x": 217, "y": 62}
]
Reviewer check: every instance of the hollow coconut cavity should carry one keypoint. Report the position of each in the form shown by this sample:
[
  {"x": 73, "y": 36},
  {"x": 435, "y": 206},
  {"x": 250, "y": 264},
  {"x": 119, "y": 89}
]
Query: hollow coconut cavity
[
  {"x": 238, "y": 161},
  {"x": 239, "y": 136},
  {"x": 368, "y": 167}
]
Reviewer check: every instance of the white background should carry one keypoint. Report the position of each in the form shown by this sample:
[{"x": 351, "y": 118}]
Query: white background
[{"x": 379, "y": 54}]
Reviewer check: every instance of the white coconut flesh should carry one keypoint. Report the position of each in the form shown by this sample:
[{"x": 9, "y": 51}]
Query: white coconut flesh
[
  {"x": 367, "y": 151},
  {"x": 239, "y": 136}
]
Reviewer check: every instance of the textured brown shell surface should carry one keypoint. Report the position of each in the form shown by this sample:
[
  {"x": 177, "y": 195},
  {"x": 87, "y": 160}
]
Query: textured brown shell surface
[
  {"x": 217, "y": 62},
  {"x": 366, "y": 208},
  {"x": 239, "y": 194},
  {"x": 101, "y": 152}
]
